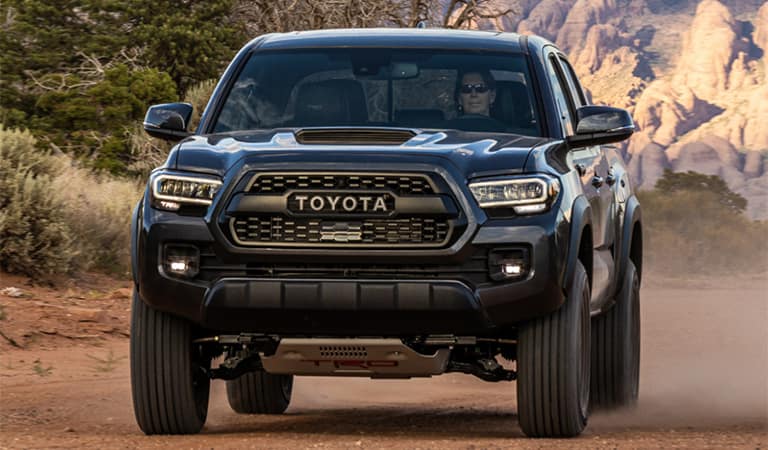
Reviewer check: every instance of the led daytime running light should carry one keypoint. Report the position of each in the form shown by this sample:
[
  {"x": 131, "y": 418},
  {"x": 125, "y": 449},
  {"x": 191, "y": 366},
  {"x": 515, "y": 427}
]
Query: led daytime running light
[
  {"x": 514, "y": 192},
  {"x": 181, "y": 189}
]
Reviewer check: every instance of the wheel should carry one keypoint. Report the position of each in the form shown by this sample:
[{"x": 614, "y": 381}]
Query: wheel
[
  {"x": 169, "y": 379},
  {"x": 553, "y": 367},
  {"x": 260, "y": 393},
  {"x": 616, "y": 348}
]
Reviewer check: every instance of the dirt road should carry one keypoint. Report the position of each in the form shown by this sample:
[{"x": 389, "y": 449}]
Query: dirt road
[{"x": 704, "y": 383}]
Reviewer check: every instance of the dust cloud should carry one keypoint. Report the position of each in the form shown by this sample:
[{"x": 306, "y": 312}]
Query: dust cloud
[{"x": 704, "y": 355}]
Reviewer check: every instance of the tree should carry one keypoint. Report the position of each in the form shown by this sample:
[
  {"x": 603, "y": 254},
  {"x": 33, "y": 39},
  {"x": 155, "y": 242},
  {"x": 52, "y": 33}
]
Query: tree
[
  {"x": 190, "y": 40},
  {"x": 268, "y": 16},
  {"x": 697, "y": 182},
  {"x": 79, "y": 74}
]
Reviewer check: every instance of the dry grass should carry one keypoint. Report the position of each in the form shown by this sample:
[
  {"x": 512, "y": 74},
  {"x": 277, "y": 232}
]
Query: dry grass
[
  {"x": 97, "y": 209},
  {"x": 57, "y": 217}
]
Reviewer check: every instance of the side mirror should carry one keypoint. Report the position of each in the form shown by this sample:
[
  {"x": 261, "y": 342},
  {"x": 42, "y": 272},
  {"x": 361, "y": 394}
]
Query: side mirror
[
  {"x": 168, "y": 121},
  {"x": 599, "y": 125}
]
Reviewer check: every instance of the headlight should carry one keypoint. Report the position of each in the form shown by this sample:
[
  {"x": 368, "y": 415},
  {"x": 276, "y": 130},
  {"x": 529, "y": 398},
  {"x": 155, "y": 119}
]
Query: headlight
[
  {"x": 169, "y": 192},
  {"x": 525, "y": 195}
]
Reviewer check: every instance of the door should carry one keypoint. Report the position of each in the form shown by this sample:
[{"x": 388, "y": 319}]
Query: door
[
  {"x": 591, "y": 164},
  {"x": 603, "y": 177}
]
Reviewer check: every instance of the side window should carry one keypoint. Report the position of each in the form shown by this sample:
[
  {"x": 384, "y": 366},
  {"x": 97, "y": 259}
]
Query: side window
[
  {"x": 559, "y": 91},
  {"x": 573, "y": 84}
]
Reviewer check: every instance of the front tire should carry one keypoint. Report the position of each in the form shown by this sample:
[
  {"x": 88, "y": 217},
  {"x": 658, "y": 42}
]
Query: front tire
[
  {"x": 616, "y": 348},
  {"x": 553, "y": 367},
  {"x": 169, "y": 379},
  {"x": 260, "y": 393}
]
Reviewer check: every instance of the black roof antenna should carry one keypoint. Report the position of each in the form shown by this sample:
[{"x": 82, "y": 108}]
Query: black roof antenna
[{"x": 421, "y": 24}]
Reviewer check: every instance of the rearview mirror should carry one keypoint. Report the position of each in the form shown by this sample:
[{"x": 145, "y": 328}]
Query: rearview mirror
[
  {"x": 168, "y": 121},
  {"x": 599, "y": 125}
]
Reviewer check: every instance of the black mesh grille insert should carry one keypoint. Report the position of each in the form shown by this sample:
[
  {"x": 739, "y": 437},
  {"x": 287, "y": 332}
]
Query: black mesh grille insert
[
  {"x": 412, "y": 231},
  {"x": 400, "y": 184}
]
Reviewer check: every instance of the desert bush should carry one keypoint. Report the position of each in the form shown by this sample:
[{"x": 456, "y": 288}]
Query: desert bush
[
  {"x": 198, "y": 96},
  {"x": 97, "y": 209},
  {"x": 35, "y": 239},
  {"x": 56, "y": 217},
  {"x": 146, "y": 152},
  {"x": 694, "y": 224}
]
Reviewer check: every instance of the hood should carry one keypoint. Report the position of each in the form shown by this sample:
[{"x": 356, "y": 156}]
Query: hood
[{"x": 469, "y": 152}]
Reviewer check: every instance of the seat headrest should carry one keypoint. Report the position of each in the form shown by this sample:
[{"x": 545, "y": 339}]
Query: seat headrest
[
  {"x": 513, "y": 105},
  {"x": 331, "y": 102}
]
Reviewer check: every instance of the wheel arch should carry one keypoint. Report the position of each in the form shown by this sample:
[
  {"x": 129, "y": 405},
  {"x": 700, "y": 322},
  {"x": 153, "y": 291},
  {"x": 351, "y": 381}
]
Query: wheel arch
[
  {"x": 135, "y": 227},
  {"x": 631, "y": 240},
  {"x": 580, "y": 242}
]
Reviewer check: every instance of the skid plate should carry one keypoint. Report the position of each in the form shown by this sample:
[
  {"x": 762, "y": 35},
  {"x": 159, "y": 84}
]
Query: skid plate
[{"x": 375, "y": 358}]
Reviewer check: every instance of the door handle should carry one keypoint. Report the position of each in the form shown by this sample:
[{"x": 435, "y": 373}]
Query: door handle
[{"x": 597, "y": 181}]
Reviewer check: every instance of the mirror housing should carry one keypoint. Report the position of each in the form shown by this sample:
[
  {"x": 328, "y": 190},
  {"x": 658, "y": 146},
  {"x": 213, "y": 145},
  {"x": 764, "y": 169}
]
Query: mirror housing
[
  {"x": 599, "y": 125},
  {"x": 168, "y": 121}
]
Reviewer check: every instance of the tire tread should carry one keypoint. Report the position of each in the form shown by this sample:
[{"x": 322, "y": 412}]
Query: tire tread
[
  {"x": 609, "y": 362},
  {"x": 546, "y": 403},
  {"x": 258, "y": 393},
  {"x": 161, "y": 373}
]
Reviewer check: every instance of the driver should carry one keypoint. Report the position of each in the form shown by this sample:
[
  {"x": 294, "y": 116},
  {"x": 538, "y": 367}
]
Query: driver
[{"x": 475, "y": 93}]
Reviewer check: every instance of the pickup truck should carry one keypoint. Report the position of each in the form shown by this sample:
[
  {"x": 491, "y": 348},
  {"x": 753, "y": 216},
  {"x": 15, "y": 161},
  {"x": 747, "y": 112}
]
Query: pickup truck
[{"x": 388, "y": 203}]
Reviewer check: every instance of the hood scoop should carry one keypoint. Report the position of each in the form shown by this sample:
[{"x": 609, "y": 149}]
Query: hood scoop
[{"x": 354, "y": 136}]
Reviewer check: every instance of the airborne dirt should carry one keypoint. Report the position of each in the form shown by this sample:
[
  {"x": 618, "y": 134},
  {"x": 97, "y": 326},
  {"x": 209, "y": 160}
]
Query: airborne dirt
[{"x": 704, "y": 383}]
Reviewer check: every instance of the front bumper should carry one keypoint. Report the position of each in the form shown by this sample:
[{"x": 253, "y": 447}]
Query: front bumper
[{"x": 348, "y": 303}]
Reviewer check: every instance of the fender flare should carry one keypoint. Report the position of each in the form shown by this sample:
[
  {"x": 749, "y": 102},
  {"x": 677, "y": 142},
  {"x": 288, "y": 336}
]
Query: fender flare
[
  {"x": 135, "y": 227},
  {"x": 632, "y": 216},
  {"x": 581, "y": 217}
]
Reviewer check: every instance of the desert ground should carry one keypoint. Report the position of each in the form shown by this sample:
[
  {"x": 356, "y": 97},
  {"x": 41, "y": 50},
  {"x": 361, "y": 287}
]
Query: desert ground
[{"x": 64, "y": 383}]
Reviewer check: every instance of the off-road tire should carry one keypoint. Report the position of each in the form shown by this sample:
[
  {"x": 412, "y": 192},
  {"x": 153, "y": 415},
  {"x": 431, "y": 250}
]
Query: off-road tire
[
  {"x": 260, "y": 393},
  {"x": 553, "y": 367},
  {"x": 169, "y": 382},
  {"x": 616, "y": 348}
]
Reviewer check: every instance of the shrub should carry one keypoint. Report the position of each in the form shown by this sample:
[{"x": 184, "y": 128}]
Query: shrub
[
  {"x": 694, "y": 224},
  {"x": 97, "y": 208},
  {"x": 146, "y": 152},
  {"x": 35, "y": 239},
  {"x": 56, "y": 217},
  {"x": 198, "y": 96}
]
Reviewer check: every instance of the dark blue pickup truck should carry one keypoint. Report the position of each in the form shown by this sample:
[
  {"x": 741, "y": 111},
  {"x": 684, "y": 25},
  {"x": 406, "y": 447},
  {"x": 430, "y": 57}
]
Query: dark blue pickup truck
[{"x": 388, "y": 203}]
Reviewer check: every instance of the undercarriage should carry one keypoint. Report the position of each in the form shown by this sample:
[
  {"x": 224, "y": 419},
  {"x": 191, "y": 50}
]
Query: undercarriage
[{"x": 374, "y": 357}]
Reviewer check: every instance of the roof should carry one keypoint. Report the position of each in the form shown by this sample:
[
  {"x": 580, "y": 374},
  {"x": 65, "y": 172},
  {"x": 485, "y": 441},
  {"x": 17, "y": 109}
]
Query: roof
[{"x": 393, "y": 37}]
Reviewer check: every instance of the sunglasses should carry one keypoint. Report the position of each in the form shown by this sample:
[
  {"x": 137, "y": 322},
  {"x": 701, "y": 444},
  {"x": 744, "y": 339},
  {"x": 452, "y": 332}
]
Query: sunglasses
[{"x": 480, "y": 88}]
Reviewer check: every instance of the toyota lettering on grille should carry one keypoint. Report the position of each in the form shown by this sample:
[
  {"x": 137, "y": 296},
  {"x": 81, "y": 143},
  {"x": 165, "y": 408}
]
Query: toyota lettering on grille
[{"x": 341, "y": 203}]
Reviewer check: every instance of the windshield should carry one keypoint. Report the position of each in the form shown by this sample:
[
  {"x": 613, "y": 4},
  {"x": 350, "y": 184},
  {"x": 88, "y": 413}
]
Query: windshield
[{"x": 463, "y": 90}]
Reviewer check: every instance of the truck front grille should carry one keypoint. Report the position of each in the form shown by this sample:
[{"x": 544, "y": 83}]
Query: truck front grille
[
  {"x": 283, "y": 182},
  {"x": 413, "y": 231},
  {"x": 343, "y": 210}
]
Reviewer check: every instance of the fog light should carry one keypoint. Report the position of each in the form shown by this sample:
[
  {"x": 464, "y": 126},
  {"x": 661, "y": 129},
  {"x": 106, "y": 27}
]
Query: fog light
[
  {"x": 179, "y": 266},
  {"x": 512, "y": 269},
  {"x": 181, "y": 260},
  {"x": 509, "y": 264},
  {"x": 530, "y": 209},
  {"x": 170, "y": 206}
]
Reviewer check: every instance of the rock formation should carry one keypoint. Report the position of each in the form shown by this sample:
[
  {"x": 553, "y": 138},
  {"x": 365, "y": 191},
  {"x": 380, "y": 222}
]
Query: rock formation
[
  {"x": 582, "y": 16},
  {"x": 702, "y": 105},
  {"x": 546, "y": 18}
]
